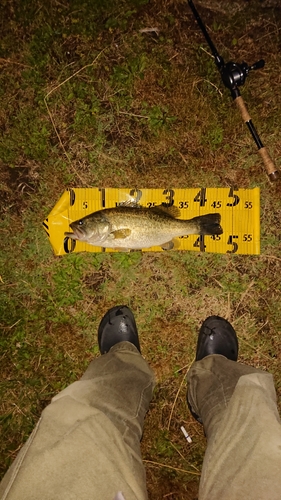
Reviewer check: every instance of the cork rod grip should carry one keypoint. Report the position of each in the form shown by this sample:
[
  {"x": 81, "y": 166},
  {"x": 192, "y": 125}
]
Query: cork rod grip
[
  {"x": 271, "y": 170},
  {"x": 243, "y": 110}
]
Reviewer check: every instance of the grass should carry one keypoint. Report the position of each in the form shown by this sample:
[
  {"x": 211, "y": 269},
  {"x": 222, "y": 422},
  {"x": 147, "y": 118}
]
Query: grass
[{"x": 89, "y": 100}]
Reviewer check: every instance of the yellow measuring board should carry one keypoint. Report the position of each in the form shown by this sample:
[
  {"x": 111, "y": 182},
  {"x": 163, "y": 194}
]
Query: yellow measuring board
[{"x": 239, "y": 209}]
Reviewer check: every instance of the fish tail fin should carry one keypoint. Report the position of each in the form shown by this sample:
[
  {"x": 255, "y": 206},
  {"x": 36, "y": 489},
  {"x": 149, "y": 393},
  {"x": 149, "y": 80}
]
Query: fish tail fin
[{"x": 208, "y": 224}]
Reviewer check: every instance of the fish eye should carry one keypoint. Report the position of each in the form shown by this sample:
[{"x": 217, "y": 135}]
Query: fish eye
[{"x": 80, "y": 223}]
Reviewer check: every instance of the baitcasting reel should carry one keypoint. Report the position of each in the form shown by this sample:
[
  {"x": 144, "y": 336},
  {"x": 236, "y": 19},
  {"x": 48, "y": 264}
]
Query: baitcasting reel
[{"x": 233, "y": 76}]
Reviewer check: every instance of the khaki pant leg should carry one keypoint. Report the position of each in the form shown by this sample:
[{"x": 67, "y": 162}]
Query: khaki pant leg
[
  {"x": 87, "y": 442},
  {"x": 241, "y": 421}
]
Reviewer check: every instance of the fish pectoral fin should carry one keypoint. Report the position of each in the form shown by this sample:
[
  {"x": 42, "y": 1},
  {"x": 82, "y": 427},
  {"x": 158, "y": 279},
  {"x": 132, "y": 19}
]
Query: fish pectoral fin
[
  {"x": 168, "y": 246},
  {"x": 120, "y": 234}
]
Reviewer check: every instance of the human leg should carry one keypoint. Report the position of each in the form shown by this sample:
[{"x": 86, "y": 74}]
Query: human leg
[
  {"x": 237, "y": 406},
  {"x": 87, "y": 442}
]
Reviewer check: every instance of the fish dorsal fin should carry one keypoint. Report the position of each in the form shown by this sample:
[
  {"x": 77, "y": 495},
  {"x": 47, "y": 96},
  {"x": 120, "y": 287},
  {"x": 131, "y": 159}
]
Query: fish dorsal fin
[
  {"x": 172, "y": 211},
  {"x": 129, "y": 203}
]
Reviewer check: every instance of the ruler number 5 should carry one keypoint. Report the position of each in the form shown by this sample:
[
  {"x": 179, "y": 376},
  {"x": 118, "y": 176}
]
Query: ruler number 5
[
  {"x": 233, "y": 243},
  {"x": 236, "y": 198}
]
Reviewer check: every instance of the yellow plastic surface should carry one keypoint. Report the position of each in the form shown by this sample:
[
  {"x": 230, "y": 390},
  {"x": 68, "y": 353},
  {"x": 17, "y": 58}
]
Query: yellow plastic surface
[{"x": 239, "y": 209}]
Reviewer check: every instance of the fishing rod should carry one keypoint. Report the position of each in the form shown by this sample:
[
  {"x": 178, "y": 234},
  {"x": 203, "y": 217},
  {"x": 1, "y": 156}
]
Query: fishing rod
[{"x": 233, "y": 76}]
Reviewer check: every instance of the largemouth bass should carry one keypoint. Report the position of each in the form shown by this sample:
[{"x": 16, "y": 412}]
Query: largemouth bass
[{"x": 128, "y": 227}]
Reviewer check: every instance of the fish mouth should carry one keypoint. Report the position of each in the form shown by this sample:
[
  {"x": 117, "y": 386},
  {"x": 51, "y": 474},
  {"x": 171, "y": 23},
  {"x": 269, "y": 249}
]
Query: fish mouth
[
  {"x": 70, "y": 235},
  {"x": 77, "y": 234}
]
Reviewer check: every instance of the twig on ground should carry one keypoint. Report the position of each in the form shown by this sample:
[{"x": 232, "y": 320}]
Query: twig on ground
[
  {"x": 173, "y": 468},
  {"x": 178, "y": 391}
]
